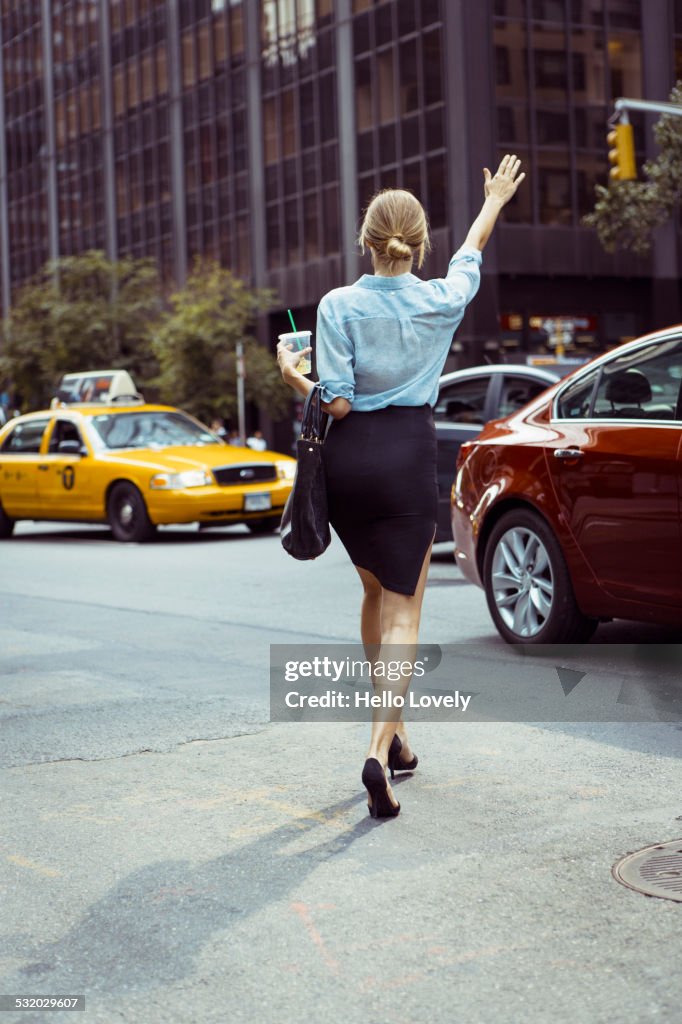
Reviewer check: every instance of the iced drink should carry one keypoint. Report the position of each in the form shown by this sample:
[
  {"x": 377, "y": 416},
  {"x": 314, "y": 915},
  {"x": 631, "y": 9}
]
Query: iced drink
[{"x": 300, "y": 340}]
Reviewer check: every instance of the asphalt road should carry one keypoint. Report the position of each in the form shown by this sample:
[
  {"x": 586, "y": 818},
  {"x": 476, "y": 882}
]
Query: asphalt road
[{"x": 173, "y": 856}]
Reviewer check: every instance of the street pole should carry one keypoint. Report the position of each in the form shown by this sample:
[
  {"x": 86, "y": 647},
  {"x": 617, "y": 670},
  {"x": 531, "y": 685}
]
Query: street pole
[
  {"x": 649, "y": 106},
  {"x": 241, "y": 405}
]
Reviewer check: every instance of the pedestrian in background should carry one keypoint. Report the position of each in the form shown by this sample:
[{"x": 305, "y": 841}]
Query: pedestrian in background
[
  {"x": 381, "y": 346},
  {"x": 218, "y": 428},
  {"x": 256, "y": 441}
]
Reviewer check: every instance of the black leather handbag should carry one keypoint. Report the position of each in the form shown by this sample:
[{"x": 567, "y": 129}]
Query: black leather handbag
[{"x": 304, "y": 529}]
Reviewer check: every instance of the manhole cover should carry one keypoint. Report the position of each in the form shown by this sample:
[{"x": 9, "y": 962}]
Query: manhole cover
[{"x": 655, "y": 870}]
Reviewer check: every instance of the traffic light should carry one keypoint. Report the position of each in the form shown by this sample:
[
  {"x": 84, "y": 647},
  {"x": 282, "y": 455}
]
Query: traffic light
[{"x": 621, "y": 142}]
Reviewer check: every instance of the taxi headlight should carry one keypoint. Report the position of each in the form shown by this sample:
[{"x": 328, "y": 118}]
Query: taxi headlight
[
  {"x": 178, "y": 481},
  {"x": 286, "y": 470}
]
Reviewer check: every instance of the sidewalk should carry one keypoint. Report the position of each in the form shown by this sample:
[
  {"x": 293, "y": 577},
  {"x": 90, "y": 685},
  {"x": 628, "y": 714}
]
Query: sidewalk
[{"x": 242, "y": 880}]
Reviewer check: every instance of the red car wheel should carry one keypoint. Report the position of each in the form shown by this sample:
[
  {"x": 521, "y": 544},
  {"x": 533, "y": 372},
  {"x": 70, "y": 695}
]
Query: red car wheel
[{"x": 527, "y": 584}]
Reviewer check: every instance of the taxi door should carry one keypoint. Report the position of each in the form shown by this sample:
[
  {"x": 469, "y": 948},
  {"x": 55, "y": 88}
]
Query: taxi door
[
  {"x": 19, "y": 458},
  {"x": 65, "y": 477}
]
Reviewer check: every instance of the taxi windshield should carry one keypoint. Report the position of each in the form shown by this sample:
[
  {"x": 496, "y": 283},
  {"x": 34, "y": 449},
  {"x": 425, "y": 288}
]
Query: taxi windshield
[{"x": 150, "y": 430}]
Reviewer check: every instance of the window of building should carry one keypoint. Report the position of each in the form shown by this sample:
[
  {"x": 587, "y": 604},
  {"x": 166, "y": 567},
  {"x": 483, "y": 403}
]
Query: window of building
[
  {"x": 624, "y": 13},
  {"x": 437, "y": 191},
  {"x": 551, "y": 70},
  {"x": 512, "y": 52},
  {"x": 236, "y": 33},
  {"x": 625, "y": 65},
  {"x": 552, "y": 127},
  {"x": 385, "y": 76},
  {"x": 289, "y": 140},
  {"x": 548, "y": 10},
  {"x": 330, "y": 206},
  {"x": 270, "y": 131},
  {"x": 554, "y": 187},
  {"x": 189, "y": 74},
  {"x": 383, "y": 24},
  {"x": 433, "y": 85},
  {"x": 410, "y": 135},
  {"x": 292, "y": 238},
  {"x": 409, "y": 77},
  {"x": 363, "y": 95},
  {"x": 502, "y": 66}
]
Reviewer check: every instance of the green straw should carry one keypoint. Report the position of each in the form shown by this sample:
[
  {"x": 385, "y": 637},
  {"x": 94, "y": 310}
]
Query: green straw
[{"x": 293, "y": 325}]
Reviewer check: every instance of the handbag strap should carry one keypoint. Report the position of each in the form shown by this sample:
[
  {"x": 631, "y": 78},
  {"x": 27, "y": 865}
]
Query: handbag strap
[{"x": 314, "y": 422}]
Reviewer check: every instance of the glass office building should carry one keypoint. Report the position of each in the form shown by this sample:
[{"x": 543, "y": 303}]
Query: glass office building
[{"x": 255, "y": 131}]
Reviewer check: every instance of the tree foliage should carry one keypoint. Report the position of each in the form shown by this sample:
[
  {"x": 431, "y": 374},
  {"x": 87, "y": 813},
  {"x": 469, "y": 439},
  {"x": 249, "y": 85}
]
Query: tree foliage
[
  {"x": 627, "y": 212},
  {"x": 81, "y": 312},
  {"x": 196, "y": 346}
]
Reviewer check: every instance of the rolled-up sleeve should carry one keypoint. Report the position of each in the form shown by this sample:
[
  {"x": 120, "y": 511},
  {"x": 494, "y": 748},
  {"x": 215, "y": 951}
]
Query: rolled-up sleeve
[
  {"x": 463, "y": 278},
  {"x": 335, "y": 357}
]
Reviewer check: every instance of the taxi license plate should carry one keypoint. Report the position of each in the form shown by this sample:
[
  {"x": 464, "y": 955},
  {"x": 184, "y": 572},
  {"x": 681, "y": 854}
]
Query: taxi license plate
[{"x": 257, "y": 502}]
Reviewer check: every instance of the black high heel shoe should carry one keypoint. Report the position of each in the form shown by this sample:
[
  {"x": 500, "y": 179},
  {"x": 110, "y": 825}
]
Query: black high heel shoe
[
  {"x": 374, "y": 781},
  {"x": 394, "y": 762}
]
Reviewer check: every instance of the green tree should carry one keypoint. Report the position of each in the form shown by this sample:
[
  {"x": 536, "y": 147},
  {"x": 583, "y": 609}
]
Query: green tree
[
  {"x": 195, "y": 346},
  {"x": 627, "y": 212},
  {"x": 81, "y": 313}
]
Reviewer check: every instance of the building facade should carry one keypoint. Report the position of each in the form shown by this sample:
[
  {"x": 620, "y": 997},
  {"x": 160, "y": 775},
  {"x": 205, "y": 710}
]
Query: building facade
[{"x": 255, "y": 131}]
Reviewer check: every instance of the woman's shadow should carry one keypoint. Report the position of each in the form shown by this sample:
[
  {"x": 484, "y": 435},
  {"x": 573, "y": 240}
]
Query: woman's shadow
[{"x": 147, "y": 930}]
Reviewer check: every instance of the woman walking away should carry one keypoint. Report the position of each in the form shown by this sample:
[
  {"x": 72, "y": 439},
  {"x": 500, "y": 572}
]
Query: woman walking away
[{"x": 381, "y": 346}]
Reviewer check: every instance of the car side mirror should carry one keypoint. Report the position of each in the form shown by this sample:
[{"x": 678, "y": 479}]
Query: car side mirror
[{"x": 71, "y": 448}]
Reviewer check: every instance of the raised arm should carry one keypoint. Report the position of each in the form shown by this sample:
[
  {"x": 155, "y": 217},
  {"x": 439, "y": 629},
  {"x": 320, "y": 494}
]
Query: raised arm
[{"x": 499, "y": 189}]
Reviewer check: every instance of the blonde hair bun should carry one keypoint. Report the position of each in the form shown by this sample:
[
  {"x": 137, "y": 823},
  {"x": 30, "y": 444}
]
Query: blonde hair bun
[
  {"x": 397, "y": 249},
  {"x": 395, "y": 228}
]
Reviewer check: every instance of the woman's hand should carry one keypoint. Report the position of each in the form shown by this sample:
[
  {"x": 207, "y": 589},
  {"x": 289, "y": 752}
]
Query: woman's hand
[
  {"x": 503, "y": 185},
  {"x": 288, "y": 358}
]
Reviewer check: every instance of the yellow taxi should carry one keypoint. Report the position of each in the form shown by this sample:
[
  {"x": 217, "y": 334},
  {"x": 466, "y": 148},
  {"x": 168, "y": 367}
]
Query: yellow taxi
[{"x": 134, "y": 466}]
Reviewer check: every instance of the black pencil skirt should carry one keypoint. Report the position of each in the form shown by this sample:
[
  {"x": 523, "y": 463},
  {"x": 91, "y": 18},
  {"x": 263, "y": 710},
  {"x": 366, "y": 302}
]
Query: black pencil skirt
[{"x": 382, "y": 489}]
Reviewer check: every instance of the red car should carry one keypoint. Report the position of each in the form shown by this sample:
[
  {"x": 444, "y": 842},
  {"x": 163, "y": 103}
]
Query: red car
[{"x": 568, "y": 511}]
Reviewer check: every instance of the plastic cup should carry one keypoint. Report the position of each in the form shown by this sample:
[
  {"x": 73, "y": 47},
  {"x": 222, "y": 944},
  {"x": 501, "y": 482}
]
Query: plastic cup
[{"x": 300, "y": 340}]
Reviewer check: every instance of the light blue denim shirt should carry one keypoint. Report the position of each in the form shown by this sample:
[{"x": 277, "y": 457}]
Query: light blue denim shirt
[{"x": 384, "y": 340}]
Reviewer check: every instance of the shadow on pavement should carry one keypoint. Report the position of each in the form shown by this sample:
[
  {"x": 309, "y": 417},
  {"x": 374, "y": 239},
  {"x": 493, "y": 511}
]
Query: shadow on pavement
[
  {"x": 148, "y": 928},
  {"x": 165, "y": 536}
]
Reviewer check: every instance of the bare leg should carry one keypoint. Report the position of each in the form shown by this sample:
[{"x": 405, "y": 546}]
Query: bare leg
[
  {"x": 370, "y": 616},
  {"x": 370, "y": 631},
  {"x": 400, "y": 617}
]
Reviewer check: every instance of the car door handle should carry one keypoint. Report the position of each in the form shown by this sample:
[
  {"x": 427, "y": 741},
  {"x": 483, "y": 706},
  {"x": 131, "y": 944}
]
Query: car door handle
[
  {"x": 567, "y": 453},
  {"x": 43, "y": 469}
]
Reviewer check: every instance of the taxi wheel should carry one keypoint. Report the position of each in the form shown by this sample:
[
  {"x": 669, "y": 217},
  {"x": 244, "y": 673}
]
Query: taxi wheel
[
  {"x": 267, "y": 525},
  {"x": 127, "y": 514},
  {"x": 6, "y": 524}
]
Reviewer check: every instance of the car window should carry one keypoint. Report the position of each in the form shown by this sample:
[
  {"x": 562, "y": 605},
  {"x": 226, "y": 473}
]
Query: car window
[
  {"x": 643, "y": 385},
  {"x": 86, "y": 388},
  {"x": 576, "y": 401},
  {"x": 150, "y": 430},
  {"x": 462, "y": 401},
  {"x": 517, "y": 392},
  {"x": 64, "y": 430},
  {"x": 25, "y": 438}
]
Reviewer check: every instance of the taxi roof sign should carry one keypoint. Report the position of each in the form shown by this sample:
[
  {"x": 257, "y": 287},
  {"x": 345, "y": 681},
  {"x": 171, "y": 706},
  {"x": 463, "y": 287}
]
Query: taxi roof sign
[{"x": 96, "y": 387}]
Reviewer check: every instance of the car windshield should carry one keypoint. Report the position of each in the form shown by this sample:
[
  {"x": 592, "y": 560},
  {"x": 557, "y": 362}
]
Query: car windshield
[{"x": 150, "y": 430}]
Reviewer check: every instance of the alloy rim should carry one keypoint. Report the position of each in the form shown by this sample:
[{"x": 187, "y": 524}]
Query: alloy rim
[{"x": 522, "y": 581}]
